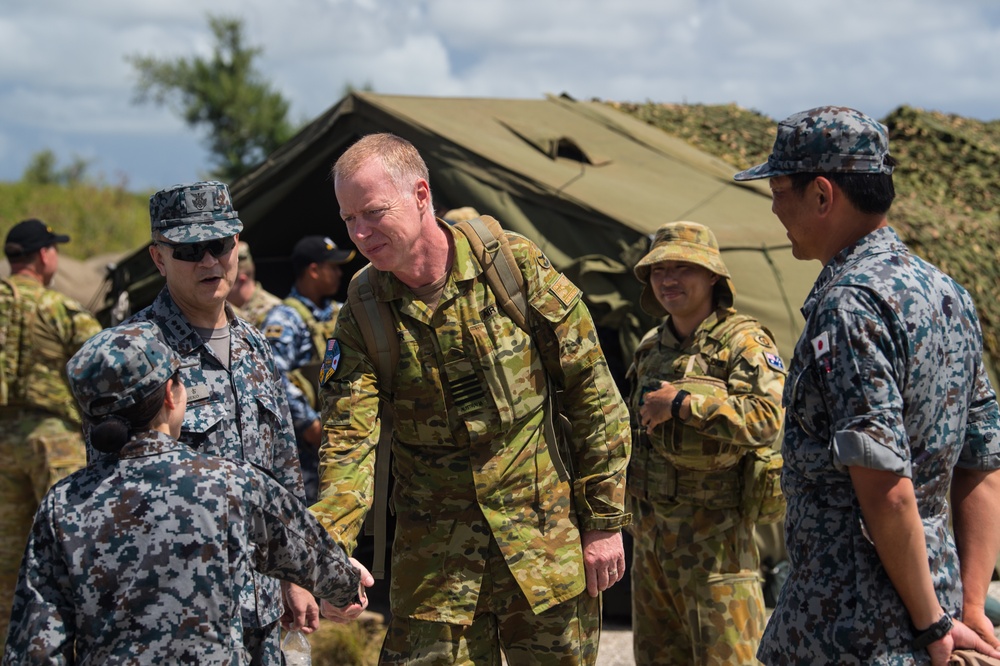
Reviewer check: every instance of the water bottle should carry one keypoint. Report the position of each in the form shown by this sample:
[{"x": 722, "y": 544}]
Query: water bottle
[{"x": 296, "y": 649}]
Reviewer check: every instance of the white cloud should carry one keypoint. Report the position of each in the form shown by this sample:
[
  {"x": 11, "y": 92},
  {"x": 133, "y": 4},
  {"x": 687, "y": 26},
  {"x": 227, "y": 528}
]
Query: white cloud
[{"x": 64, "y": 77}]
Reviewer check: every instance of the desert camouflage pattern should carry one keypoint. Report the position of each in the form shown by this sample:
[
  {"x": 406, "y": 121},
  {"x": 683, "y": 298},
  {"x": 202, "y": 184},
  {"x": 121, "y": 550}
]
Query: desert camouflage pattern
[
  {"x": 140, "y": 558},
  {"x": 260, "y": 303},
  {"x": 194, "y": 212},
  {"x": 567, "y": 633},
  {"x": 695, "y": 561},
  {"x": 470, "y": 460},
  {"x": 238, "y": 412},
  {"x": 827, "y": 139},
  {"x": 40, "y": 438},
  {"x": 887, "y": 374},
  {"x": 57, "y": 327}
]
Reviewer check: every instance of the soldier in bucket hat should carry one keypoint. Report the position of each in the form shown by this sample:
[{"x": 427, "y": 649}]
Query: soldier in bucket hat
[
  {"x": 888, "y": 407},
  {"x": 236, "y": 404},
  {"x": 705, "y": 405},
  {"x": 139, "y": 554}
]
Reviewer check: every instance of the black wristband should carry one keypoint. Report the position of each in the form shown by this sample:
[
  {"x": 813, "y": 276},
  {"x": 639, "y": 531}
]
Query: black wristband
[
  {"x": 675, "y": 406},
  {"x": 933, "y": 633}
]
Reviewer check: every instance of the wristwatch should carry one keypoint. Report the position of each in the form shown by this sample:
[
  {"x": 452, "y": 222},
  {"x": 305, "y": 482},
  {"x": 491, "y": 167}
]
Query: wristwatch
[
  {"x": 675, "y": 406},
  {"x": 933, "y": 633}
]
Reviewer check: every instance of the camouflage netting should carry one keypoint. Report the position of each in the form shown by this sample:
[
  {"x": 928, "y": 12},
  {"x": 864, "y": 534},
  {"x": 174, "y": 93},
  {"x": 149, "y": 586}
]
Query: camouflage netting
[{"x": 948, "y": 184}]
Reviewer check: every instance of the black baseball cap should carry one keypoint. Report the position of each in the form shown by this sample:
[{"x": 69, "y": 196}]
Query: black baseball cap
[
  {"x": 29, "y": 236},
  {"x": 317, "y": 250}
]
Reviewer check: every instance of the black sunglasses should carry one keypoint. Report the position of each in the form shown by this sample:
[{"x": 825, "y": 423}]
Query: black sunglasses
[{"x": 196, "y": 251}]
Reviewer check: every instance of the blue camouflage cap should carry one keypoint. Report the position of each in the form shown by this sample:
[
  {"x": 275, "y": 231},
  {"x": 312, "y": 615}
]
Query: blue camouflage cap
[
  {"x": 193, "y": 212},
  {"x": 120, "y": 366},
  {"x": 827, "y": 139}
]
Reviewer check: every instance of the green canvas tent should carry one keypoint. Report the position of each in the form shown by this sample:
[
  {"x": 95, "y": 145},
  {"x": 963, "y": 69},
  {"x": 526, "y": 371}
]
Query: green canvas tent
[{"x": 588, "y": 183}]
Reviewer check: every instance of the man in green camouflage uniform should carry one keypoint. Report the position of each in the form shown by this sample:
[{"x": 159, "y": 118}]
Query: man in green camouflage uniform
[
  {"x": 248, "y": 297},
  {"x": 497, "y": 545},
  {"x": 706, "y": 391},
  {"x": 40, "y": 438}
]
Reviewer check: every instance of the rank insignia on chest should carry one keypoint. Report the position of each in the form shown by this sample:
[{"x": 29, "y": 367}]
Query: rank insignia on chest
[
  {"x": 774, "y": 361},
  {"x": 331, "y": 359}
]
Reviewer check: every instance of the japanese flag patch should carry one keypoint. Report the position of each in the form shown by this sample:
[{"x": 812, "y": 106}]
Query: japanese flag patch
[
  {"x": 821, "y": 345},
  {"x": 331, "y": 359}
]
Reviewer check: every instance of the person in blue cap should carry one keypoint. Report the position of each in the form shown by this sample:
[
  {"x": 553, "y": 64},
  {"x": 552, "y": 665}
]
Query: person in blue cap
[
  {"x": 891, "y": 423},
  {"x": 139, "y": 557},
  {"x": 237, "y": 406}
]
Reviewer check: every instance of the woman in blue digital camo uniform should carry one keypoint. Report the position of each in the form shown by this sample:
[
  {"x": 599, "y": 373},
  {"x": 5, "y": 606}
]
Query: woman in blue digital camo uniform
[
  {"x": 139, "y": 557},
  {"x": 706, "y": 394},
  {"x": 892, "y": 425}
]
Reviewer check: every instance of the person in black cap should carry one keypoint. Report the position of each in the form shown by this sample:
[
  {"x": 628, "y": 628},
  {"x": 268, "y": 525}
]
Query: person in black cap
[
  {"x": 40, "y": 439},
  {"x": 298, "y": 331}
]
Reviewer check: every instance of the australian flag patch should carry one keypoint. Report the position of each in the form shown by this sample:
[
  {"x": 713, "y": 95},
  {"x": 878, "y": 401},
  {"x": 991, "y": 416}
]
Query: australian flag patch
[
  {"x": 331, "y": 359},
  {"x": 774, "y": 361}
]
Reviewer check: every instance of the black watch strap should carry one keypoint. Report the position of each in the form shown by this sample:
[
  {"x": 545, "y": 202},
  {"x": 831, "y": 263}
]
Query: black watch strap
[
  {"x": 933, "y": 633},
  {"x": 675, "y": 406}
]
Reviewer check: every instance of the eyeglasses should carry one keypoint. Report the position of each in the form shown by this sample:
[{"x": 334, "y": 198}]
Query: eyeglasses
[{"x": 196, "y": 251}]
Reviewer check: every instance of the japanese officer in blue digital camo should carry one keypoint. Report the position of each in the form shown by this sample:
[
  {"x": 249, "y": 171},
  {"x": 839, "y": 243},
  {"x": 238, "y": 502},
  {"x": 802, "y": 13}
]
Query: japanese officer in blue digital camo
[
  {"x": 236, "y": 404},
  {"x": 888, "y": 408}
]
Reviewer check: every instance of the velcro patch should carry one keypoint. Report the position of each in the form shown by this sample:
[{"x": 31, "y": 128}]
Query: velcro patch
[
  {"x": 774, "y": 361},
  {"x": 331, "y": 359}
]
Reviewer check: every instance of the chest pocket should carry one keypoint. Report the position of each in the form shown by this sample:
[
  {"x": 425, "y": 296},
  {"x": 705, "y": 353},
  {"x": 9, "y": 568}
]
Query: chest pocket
[{"x": 201, "y": 421}]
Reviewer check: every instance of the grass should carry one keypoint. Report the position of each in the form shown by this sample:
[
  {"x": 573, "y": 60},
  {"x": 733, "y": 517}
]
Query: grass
[{"x": 354, "y": 644}]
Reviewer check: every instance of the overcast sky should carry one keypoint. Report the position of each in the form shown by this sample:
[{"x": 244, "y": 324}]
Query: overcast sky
[{"x": 65, "y": 84}]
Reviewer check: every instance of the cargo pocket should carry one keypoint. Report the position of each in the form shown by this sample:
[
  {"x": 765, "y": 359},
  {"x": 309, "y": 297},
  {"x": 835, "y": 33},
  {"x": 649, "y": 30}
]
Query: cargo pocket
[{"x": 730, "y": 617}]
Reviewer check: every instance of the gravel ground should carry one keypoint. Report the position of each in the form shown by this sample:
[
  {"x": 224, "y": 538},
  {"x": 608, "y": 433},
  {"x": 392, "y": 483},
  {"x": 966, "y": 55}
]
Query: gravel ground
[{"x": 616, "y": 640}]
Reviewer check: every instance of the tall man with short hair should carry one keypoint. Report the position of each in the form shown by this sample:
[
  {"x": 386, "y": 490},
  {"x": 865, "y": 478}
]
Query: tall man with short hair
[
  {"x": 497, "y": 546},
  {"x": 236, "y": 404},
  {"x": 889, "y": 416},
  {"x": 40, "y": 438}
]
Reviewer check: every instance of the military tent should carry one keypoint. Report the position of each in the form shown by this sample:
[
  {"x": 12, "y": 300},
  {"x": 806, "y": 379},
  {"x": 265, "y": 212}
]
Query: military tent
[{"x": 588, "y": 183}]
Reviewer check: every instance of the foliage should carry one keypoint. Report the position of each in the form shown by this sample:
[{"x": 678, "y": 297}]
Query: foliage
[
  {"x": 245, "y": 117},
  {"x": 354, "y": 644},
  {"x": 41, "y": 170},
  {"x": 947, "y": 184},
  {"x": 99, "y": 219}
]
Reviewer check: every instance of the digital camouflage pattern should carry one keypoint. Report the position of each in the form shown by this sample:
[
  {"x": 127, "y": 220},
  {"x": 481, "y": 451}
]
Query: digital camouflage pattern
[
  {"x": 298, "y": 330},
  {"x": 235, "y": 410},
  {"x": 194, "y": 212},
  {"x": 883, "y": 329},
  {"x": 827, "y": 139},
  {"x": 40, "y": 439},
  {"x": 695, "y": 561},
  {"x": 470, "y": 459},
  {"x": 257, "y": 307},
  {"x": 141, "y": 558}
]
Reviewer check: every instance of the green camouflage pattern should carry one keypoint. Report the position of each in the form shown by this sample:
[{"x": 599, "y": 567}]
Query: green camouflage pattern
[
  {"x": 470, "y": 459},
  {"x": 58, "y": 326},
  {"x": 37, "y": 449},
  {"x": 827, "y": 139},
  {"x": 194, "y": 212},
  {"x": 702, "y": 603},
  {"x": 566, "y": 634},
  {"x": 255, "y": 310},
  {"x": 695, "y": 560},
  {"x": 689, "y": 242}
]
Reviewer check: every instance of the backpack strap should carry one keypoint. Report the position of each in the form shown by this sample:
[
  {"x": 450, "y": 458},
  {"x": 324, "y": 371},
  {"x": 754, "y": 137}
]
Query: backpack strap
[
  {"x": 375, "y": 321},
  {"x": 491, "y": 249}
]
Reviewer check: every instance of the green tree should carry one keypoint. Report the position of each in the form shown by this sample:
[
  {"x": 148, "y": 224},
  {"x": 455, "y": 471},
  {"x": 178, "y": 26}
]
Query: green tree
[
  {"x": 245, "y": 117},
  {"x": 41, "y": 170}
]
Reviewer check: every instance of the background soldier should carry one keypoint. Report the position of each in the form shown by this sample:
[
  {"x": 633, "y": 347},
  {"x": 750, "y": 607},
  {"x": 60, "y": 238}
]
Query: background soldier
[
  {"x": 40, "y": 438},
  {"x": 298, "y": 329},
  {"x": 248, "y": 297}
]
